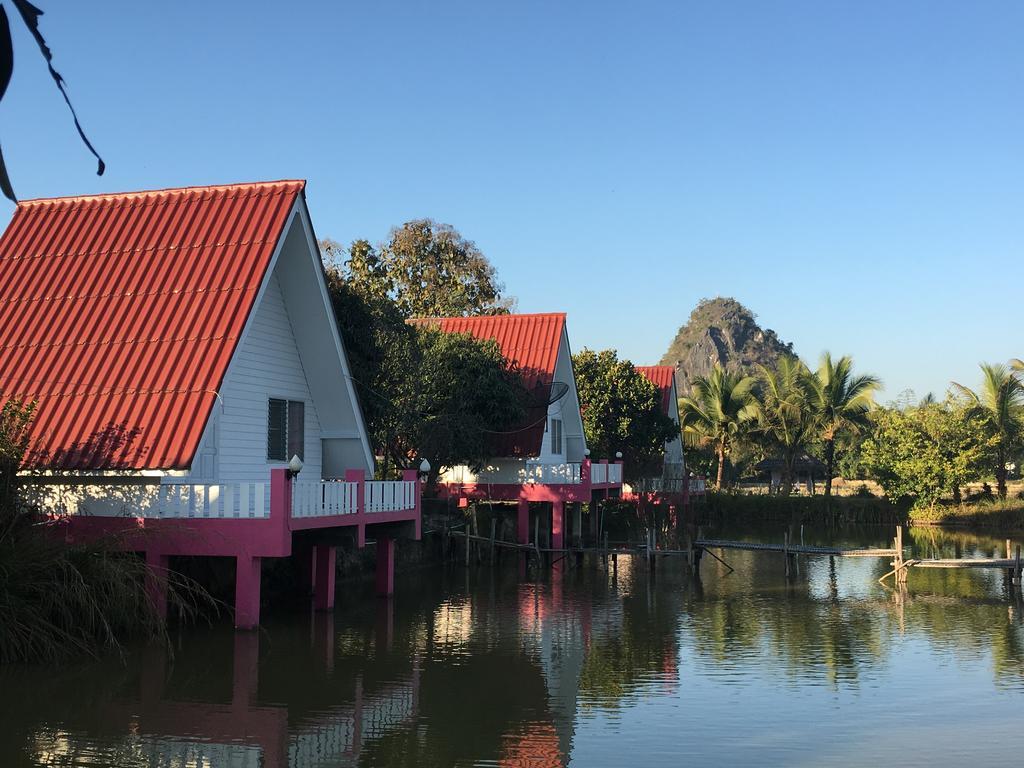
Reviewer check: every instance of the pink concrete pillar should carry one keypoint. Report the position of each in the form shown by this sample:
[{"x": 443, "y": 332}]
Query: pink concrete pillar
[
  {"x": 523, "y": 522},
  {"x": 156, "y": 582},
  {"x": 247, "y": 591},
  {"x": 280, "y": 494},
  {"x": 359, "y": 476},
  {"x": 412, "y": 475},
  {"x": 557, "y": 524},
  {"x": 385, "y": 566},
  {"x": 323, "y": 577}
]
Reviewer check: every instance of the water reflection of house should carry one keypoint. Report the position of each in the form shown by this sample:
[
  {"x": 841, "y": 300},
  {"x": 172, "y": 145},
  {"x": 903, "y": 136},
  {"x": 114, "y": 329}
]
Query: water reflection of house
[
  {"x": 161, "y": 731},
  {"x": 181, "y": 349}
]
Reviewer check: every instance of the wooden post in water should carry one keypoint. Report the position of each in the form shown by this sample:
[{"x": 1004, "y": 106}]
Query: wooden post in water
[
  {"x": 901, "y": 573},
  {"x": 606, "y": 549},
  {"x": 536, "y": 538},
  {"x": 1017, "y": 572},
  {"x": 494, "y": 524},
  {"x": 785, "y": 550}
]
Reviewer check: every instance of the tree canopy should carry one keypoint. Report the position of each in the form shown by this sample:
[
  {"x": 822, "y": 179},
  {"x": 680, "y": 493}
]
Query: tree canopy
[
  {"x": 427, "y": 269},
  {"x": 921, "y": 453},
  {"x": 1001, "y": 404},
  {"x": 424, "y": 393},
  {"x": 622, "y": 412},
  {"x": 718, "y": 413}
]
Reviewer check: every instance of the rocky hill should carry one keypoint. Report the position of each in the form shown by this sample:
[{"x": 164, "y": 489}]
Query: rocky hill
[{"x": 723, "y": 331}]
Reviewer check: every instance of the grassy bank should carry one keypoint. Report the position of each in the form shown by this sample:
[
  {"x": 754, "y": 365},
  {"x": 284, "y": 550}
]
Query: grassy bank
[
  {"x": 869, "y": 510},
  {"x": 866, "y": 510},
  {"x": 1004, "y": 515}
]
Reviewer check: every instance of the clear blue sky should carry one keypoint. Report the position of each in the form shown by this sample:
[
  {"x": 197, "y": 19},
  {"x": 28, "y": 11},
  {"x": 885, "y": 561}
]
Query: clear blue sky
[{"x": 851, "y": 171}]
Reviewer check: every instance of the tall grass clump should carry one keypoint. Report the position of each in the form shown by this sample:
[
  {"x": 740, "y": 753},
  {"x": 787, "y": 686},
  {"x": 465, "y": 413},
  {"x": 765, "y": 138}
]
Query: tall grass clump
[{"x": 59, "y": 600}]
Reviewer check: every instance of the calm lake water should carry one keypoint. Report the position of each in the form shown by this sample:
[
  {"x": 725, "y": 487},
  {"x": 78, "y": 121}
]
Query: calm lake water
[{"x": 577, "y": 667}]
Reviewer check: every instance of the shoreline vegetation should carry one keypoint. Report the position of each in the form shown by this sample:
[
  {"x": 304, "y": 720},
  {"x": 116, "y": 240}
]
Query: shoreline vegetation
[
  {"x": 985, "y": 515},
  {"x": 60, "y": 600}
]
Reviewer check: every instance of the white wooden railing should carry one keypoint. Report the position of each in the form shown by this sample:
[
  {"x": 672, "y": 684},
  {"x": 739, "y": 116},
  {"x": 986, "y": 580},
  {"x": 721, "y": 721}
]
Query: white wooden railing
[
  {"x": 324, "y": 498},
  {"x": 553, "y": 473},
  {"x": 615, "y": 474},
  {"x": 178, "y": 500},
  {"x": 333, "y": 497},
  {"x": 390, "y": 495},
  {"x": 598, "y": 474}
]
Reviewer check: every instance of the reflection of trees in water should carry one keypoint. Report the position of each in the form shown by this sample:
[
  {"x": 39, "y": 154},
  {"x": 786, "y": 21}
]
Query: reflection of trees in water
[
  {"x": 806, "y": 626},
  {"x": 641, "y": 651}
]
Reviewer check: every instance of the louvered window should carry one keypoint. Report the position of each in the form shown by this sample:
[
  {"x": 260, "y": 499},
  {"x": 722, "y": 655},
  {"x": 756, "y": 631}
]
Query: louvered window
[{"x": 286, "y": 433}]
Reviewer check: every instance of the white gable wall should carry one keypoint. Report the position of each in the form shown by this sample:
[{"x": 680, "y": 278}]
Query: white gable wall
[
  {"x": 266, "y": 365},
  {"x": 290, "y": 350},
  {"x": 567, "y": 409}
]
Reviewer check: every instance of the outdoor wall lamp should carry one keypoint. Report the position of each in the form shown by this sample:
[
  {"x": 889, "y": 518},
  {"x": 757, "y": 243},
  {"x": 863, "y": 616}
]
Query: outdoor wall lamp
[
  {"x": 618, "y": 454},
  {"x": 294, "y": 466},
  {"x": 424, "y": 467}
]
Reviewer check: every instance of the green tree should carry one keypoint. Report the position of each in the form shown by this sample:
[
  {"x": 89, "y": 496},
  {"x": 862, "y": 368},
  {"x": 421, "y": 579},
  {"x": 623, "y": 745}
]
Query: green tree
[
  {"x": 842, "y": 403},
  {"x": 622, "y": 412},
  {"x": 382, "y": 355},
  {"x": 719, "y": 411},
  {"x": 427, "y": 269},
  {"x": 923, "y": 452},
  {"x": 466, "y": 392},
  {"x": 423, "y": 393},
  {"x": 1001, "y": 402},
  {"x": 786, "y": 420}
]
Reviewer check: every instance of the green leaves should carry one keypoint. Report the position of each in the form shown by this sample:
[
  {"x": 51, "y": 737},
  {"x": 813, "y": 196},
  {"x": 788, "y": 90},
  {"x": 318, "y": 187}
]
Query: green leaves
[
  {"x": 719, "y": 412},
  {"x": 426, "y": 269},
  {"x": 1001, "y": 403},
  {"x": 622, "y": 412},
  {"x": 920, "y": 454}
]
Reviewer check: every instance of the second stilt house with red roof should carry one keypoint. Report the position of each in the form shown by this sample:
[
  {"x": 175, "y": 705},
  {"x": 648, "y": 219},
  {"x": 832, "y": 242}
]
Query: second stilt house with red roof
[
  {"x": 545, "y": 459},
  {"x": 673, "y": 481},
  {"x": 185, "y": 363}
]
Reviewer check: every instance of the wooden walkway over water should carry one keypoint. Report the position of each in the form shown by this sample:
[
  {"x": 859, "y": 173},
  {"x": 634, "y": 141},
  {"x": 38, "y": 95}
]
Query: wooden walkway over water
[{"x": 694, "y": 550}]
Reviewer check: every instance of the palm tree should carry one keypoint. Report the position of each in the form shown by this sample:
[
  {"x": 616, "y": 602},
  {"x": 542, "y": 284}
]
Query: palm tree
[
  {"x": 785, "y": 414},
  {"x": 842, "y": 403},
  {"x": 1002, "y": 403},
  {"x": 717, "y": 413}
]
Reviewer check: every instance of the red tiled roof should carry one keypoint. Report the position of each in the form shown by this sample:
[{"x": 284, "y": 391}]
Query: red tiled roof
[
  {"x": 662, "y": 377},
  {"x": 531, "y": 343},
  {"x": 119, "y": 314}
]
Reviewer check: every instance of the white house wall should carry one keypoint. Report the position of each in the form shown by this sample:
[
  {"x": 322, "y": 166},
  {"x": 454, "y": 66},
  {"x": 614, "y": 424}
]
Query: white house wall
[
  {"x": 567, "y": 409},
  {"x": 266, "y": 365}
]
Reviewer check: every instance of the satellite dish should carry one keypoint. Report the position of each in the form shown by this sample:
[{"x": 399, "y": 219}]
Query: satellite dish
[
  {"x": 544, "y": 395},
  {"x": 559, "y": 389}
]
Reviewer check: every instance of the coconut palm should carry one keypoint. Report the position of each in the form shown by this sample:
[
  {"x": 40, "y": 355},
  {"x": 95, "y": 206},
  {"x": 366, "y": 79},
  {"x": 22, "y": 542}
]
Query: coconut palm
[
  {"x": 841, "y": 403},
  {"x": 786, "y": 420},
  {"x": 1001, "y": 401},
  {"x": 718, "y": 412}
]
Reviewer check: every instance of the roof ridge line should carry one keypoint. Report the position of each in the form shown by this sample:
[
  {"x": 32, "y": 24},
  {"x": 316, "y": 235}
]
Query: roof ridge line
[{"x": 162, "y": 190}]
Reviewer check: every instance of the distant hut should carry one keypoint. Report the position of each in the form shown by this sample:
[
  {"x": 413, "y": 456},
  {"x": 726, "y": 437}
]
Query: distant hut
[{"x": 807, "y": 470}]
